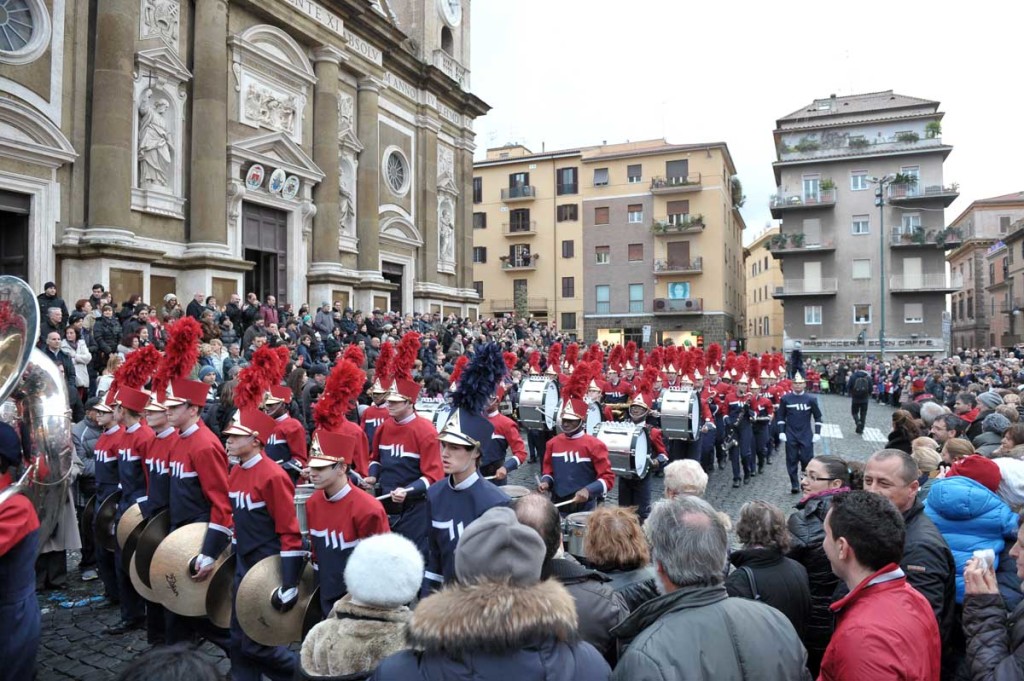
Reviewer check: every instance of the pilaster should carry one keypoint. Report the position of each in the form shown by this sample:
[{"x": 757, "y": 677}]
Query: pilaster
[
  {"x": 368, "y": 199},
  {"x": 325, "y": 154}
]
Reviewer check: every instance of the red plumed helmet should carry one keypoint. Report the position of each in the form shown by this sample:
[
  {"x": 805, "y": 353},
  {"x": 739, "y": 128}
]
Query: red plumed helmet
[
  {"x": 572, "y": 354},
  {"x": 511, "y": 359},
  {"x": 180, "y": 354},
  {"x": 138, "y": 367},
  {"x": 342, "y": 387},
  {"x": 555, "y": 356},
  {"x": 405, "y": 357},
  {"x": 354, "y": 354},
  {"x": 382, "y": 370},
  {"x": 265, "y": 370}
]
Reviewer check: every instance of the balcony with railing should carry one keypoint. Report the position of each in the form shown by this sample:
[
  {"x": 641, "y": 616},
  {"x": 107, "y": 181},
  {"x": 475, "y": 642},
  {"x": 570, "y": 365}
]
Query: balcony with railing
[
  {"x": 795, "y": 243},
  {"x": 915, "y": 237},
  {"x": 519, "y": 263},
  {"x": 680, "y": 223},
  {"x": 781, "y": 203},
  {"x": 509, "y": 304},
  {"x": 669, "y": 267},
  {"x": 812, "y": 146},
  {"x": 907, "y": 194},
  {"x": 676, "y": 185},
  {"x": 524, "y": 192},
  {"x": 930, "y": 282},
  {"x": 822, "y": 286},
  {"x": 520, "y": 228},
  {"x": 452, "y": 68}
]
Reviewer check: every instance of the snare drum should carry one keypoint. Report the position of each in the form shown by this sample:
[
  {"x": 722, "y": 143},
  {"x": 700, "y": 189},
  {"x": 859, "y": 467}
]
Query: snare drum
[
  {"x": 590, "y": 423},
  {"x": 515, "y": 491},
  {"x": 302, "y": 493},
  {"x": 574, "y": 532},
  {"x": 680, "y": 414},
  {"x": 435, "y": 411},
  {"x": 628, "y": 450},
  {"x": 538, "y": 402}
]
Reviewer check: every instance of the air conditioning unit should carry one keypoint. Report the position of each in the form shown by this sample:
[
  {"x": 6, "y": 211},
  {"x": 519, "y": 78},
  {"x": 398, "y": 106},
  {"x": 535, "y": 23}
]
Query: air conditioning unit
[{"x": 678, "y": 304}]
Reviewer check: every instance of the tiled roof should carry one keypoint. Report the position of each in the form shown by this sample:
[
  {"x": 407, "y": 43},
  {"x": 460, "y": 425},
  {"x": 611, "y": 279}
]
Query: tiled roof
[{"x": 871, "y": 101}]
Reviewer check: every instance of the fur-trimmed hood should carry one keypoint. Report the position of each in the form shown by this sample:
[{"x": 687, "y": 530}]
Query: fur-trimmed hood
[{"x": 492, "y": 618}]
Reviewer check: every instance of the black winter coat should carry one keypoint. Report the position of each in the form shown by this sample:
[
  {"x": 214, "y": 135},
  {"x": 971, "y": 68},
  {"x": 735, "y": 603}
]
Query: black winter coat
[
  {"x": 107, "y": 332},
  {"x": 598, "y": 606},
  {"x": 635, "y": 586},
  {"x": 995, "y": 641},
  {"x": 807, "y": 527},
  {"x": 779, "y": 581},
  {"x": 930, "y": 568}
]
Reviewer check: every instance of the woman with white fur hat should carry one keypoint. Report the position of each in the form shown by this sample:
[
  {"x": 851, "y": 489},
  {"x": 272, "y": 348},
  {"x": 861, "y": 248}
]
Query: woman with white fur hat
[{"x": 368, "y": 623}]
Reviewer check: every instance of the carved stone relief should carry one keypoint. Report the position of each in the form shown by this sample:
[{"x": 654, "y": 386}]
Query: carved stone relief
[
  {"x": 160, "y": 19},
  {"x": 268, "y": 108}
]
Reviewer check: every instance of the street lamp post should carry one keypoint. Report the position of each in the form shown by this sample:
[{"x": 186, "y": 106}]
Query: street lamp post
[{"x": 881, "y": 184}]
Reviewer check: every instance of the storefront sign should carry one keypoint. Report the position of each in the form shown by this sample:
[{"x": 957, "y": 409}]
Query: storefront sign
[{"x": 853, "y": 345}]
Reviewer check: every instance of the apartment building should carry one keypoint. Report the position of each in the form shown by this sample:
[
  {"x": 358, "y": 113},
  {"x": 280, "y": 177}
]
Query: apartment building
[
  {"x": 1004, "y": 263},
  {"x": 764, "y": 310},
  {"x": 981, "y": 226},
  {"x": 613, "y": 239},
  {"x": 861, "y": 196}
]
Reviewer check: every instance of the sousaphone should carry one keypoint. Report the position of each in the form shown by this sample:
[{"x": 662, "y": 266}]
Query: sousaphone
[
  {"x": 258, "y": 618},
  {"x": 170, "y": 575},
  {"x": 33, "y": 401}
]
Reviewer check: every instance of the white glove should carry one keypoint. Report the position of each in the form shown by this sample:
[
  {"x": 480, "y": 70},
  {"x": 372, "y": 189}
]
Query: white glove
[
  {"x": 203, "y": 561},
  {"x": 816, "y": 438},
  {"x": 782, "y": 437}
]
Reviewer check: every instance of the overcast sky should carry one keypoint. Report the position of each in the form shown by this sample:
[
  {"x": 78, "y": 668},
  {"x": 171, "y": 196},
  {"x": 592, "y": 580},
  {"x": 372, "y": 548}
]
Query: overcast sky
[{"x": 568, "y": 73}]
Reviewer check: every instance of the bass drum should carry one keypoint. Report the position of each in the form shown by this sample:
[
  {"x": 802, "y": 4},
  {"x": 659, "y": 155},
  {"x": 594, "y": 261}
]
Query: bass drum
[
  {"x": 590, "y": 423},
  {"x": 628, "y": 450},
  {"x": 434, "y": 411},
  {"x": 680, "y": 414},
  {"x": 538, "y": 402}
]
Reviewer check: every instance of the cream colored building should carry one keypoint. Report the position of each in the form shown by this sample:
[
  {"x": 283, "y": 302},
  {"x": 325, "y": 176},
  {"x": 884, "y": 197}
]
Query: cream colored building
[
  {"x": 308, "y": 149},
  {"x": 764, "y": 311},
  {"x": 610, "y": 239}
]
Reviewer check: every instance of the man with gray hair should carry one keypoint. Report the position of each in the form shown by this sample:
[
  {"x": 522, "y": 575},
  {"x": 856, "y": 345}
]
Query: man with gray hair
[
  {"x": 931, "y": 411},
  {"x": 694, "y": 630}
]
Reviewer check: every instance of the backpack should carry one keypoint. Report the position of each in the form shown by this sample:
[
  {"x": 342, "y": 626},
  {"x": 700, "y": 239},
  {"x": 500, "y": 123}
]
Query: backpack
[{"x": 861, "y": 387}]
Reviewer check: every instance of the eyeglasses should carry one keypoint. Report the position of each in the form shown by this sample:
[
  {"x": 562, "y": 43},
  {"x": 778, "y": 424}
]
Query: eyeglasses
[{"x": 813, "y": 478}]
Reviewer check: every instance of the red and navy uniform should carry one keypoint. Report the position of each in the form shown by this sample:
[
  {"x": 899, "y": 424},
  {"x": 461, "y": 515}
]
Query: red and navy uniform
[
  {"x": 637, "y": 491},
  {"x": 199, "y": 487},
  {"x": 739, "y": 423},
  {"x": 373, "y": 417},
  {"x": 718, "y": 393},
  {"x": 287, "y": 445},
  {"x": 263, "y": 509},
  {"x": 764, "y": 410},
  {"x": 506, "y": 435},
  {"x": 572, "y": 462},
  {"x": 106, "y": 463},
  {"x": 158, "y": 472},
  {"x": 360, "y": 464},
  {"x": 19, "y": 609},
  {"x": 407, "y": 454},
  {"x": 799, "y": 417},
  {"x": 131, "y": 469},
  {"x": 336, "y": 526},
  {"x": 452, "y": 509},
  {"x": 616, "y": 393}
]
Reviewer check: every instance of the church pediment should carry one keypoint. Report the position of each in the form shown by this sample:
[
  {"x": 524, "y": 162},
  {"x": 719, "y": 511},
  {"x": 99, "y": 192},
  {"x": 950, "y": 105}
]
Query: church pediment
[
  {"x": 28, "y": 135},
  {"x": 276, "y": 150},
  {"x": 163, "y": 61},
  {"x": 399, "y": 230}
]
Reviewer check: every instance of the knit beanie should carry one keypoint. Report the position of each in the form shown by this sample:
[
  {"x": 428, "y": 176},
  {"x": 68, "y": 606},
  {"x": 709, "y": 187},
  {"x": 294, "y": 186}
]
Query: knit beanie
[
  {"x": 978, "y": 468},
  {"x": 995, "y": 423},
  {"x": 384, "y": 571},
  {"x": 496, "y": 546},
  {"x": 989, "y": 399}
]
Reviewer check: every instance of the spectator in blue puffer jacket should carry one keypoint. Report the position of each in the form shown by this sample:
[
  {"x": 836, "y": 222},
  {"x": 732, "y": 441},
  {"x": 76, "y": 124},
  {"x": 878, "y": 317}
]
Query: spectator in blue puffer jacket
[{"x": 970, "y": 515}]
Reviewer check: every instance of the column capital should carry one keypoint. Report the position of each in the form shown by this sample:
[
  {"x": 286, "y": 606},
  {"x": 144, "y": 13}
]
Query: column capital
[
  {"x": 428, "y": 123},
  {"x": 371, "y": 84},
  {"x": 329, "y": 53}
]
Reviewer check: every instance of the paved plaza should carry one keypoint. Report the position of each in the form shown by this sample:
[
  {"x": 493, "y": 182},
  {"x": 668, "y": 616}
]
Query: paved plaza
[{"x": 74, "y": 646}]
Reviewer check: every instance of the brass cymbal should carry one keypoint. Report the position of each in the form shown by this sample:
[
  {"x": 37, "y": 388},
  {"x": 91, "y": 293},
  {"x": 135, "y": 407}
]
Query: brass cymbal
[
  {"x": 130, "y": 519},
  {"x": 257, "y": 617},
  {"x": 105, "y": 515},
  {"x": 140, "y": 588},
  {"x": 153, "y": 532},
  {"x": 85, "y": 523},
  {"x": 314, "y": 613},
  {"x": 169, "y": 574},
  {"x": 219, "y": 597}
]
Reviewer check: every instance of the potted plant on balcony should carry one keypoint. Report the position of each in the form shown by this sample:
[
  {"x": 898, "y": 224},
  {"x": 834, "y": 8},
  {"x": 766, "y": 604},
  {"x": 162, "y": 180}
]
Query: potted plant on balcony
[
  {"x": 918, "y": 236},
  {"x": 933, "y": 129},
  {"x": 858, "y": 143},
  {"x": 797, "y": 239},
  {"x": 658, "y": 227},
  {"x": 806, "y": 144},
  {"x": 908, "y": 137},
  {"x": 777, "y": 242},
  {"x": 827, "y": 184}
]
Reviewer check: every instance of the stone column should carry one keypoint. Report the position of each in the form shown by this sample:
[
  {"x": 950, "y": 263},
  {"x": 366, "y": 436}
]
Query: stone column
[
  {"x": 464, "y": 227},
  {"x": 368, "y": 200},
  {"x": 208, "y": 226},
  {"x": 113, "y": 106},
  {"x": 427, "y": 143},
  {"x": 325, "y": 154}
]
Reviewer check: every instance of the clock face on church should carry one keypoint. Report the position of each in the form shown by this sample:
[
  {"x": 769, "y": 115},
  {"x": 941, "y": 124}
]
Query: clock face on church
[{"x": 451, "y": 11}]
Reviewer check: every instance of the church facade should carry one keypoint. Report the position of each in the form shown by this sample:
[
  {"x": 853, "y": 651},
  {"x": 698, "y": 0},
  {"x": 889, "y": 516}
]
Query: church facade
[{"x": 313, "y": 150}]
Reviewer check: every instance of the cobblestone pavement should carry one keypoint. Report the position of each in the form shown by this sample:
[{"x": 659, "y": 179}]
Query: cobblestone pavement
[{"x": 74, "y": 646}]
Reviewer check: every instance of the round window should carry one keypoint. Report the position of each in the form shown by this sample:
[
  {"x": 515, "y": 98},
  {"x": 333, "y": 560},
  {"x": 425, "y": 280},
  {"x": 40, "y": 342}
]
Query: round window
[
  {"x": 396, "y": 171},
  {"x": 24, "y": 30}
]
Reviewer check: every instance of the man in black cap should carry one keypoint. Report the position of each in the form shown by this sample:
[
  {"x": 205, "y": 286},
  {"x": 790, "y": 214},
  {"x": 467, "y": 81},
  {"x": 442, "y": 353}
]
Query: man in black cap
[{"x": 49, "y": 298}]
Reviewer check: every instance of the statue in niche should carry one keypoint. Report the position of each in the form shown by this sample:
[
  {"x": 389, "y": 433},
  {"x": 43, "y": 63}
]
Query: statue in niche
[
  {"x": 156, "y": 147},
  {"x": 346, "y": 112},
  {"x": 346, "y": 207},
  {"x": 446, "y": 235}
]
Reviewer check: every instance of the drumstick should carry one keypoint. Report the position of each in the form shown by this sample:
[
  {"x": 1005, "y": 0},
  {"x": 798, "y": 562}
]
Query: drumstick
[
  {"x": 490, "y": 477},
  {"x": 566, "y": 503},
  {"x": 382, "y": 497}
]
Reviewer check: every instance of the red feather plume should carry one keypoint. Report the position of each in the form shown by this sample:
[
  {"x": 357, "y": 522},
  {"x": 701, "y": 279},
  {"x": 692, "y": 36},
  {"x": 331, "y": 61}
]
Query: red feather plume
[
  {"x": 572, "y": 354},
  {"x": 534, "y": 360},
  {"x": 405, "y": 357},
  {"x": 555, "y": 356},
  {"x": 641, "y": 357},
  {"x": 265, "y": 370},
  {"x": 684, "y": 363},
  {"x": 576, "y": 386},
  {"x": 383, "y": 370},
  {"x": 137, "y": 368},
  {"x": 180, "y": 354},
  {"x": 616, "y": 357},
  {"x": 594, "y": 353},
  {"x": 342, "y": 387},
  {"x": 647, "y": 379},
  {"x": 698, "y": 359},
  {"x": 713, "y": 356},
  {"x": 754, "y": 368},
  {"x": 671, "y": 356},
  {"x": 511, "y": 359},
  {"x": 630, "y": 351},
  {"x": 460, "y": 364},
  {"x": 354, "y": 354}
]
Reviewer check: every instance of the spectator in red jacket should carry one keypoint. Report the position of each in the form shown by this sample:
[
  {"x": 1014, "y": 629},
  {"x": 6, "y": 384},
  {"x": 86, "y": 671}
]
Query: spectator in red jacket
[{"x": 885, "y": 629}]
